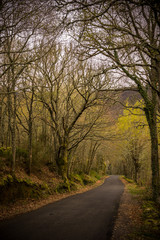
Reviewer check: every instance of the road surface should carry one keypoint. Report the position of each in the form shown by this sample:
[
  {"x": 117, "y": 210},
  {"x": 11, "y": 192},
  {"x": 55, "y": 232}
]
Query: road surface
[{"x": 85, "y": 216}]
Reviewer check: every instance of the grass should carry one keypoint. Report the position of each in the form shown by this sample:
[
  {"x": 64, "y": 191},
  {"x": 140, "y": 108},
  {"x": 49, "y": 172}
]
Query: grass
[
  {"x": 150, "y": 224},
  {"x": 135, "y": 190}
]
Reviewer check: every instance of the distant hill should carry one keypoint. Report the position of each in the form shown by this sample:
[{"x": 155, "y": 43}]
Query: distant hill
[
  {"x": 127, "y": 96},
  {"x": 130, "y": 96}
]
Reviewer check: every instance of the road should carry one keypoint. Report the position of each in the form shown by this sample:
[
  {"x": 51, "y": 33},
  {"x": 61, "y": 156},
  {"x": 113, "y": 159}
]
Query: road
[{"x": 85, "y": 216}]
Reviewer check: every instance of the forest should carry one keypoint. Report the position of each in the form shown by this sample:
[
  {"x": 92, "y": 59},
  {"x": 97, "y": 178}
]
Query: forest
[{"x": 79, "y": 91}]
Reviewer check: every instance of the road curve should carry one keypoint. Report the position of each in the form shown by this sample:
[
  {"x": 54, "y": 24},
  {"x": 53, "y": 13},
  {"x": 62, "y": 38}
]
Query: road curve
[{"x": 85, "y": 216}]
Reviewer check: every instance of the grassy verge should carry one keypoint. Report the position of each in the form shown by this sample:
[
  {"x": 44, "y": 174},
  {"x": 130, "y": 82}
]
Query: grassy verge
[{"x": 149, "y": 228}]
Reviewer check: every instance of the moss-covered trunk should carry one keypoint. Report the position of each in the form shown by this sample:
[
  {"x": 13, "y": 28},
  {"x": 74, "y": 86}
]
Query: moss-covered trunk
[
  {"x": 154, "y": 158},
  {"x": 151, "y": 116},
  {"x": 1, "y": 141},
  {"x": 13, "y": 135},
  {"x": 62, "y": 163},
  {"x": 30, "y": 152},
  {"x": 30, "y": 133}
]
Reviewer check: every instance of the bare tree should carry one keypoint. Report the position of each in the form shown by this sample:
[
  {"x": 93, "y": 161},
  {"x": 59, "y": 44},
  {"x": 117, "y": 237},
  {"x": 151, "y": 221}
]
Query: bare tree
[
  {"x": 24, "y": 29},
  {"x": 125, "y": 35},
  {"x": 68, "y": 89}
]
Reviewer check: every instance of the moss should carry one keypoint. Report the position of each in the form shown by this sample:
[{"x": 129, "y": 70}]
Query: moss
[
  {"x": 77, "y": 179},
  {"x": 150, "y": 227},
  {"x": 136, "y": 190},
  {"x": 87, "y": 179},
  {"x": 151, "y": 215},
  {"x": 128, "y": 179},
  {"x": 75, "y": 183},
  {"x": 6, "y": 180},
  {"x": 96, "y": 175},
  {"x": 74, "y": 186},
  {"x": 61, "y": 188},
  {"x": 5, "y": 154},
  {"x": 13, "y": 188}
]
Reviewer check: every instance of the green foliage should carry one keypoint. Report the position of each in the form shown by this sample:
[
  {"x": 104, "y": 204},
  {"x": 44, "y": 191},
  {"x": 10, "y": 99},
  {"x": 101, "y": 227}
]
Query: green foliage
[
  {"x": 95, "y": 174},
  {"x": 151, "y": 219},
  {"x": 77, "y": 179},
  {"x": 6, "y": 153},
  {"x": 5, "y": 157},
  {"x": 88, "y": 180},
  {"x": 134, "y": 145},
  {"x": 62, "y": 187},
  {"x": 128, "y": 179},
  {"x": 134, "y": 189}
]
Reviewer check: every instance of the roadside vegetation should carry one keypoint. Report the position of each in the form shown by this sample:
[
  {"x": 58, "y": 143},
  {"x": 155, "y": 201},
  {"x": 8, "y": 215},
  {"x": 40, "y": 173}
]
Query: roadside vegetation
[{"x": 148, "y": 227}]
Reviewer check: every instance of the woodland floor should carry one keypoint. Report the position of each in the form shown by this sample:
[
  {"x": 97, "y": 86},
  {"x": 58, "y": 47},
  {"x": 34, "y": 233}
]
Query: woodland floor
[{"x": 129, "y": 218}]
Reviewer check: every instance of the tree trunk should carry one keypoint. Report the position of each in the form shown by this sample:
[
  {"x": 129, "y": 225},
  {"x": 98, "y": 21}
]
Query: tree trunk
[
  {"x": 91, "y": 156},
  {"x": 13, "y": 132},
  {"x": 30, "y": 132},
  {"x": 154, "y": 158},
  {"x": 1, "y": 135},
  {"x": 152, "y": 121},
  {"x": 136, "y": 168},
  {"x": 136, "y": 175},
  {"x": 30, "y": 152},
  {"x": 62, "y": 163},
  {"x": 151, "y": 116}
]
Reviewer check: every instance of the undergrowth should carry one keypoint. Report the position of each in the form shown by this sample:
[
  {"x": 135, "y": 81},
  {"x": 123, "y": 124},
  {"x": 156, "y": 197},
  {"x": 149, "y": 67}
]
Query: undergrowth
[
  {"x": 150, "y": 227},
  {"x": 15, "y": 188}
]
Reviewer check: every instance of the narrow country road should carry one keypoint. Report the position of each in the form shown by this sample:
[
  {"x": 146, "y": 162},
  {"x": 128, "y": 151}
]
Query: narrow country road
[{"x": 86, "y": 216}]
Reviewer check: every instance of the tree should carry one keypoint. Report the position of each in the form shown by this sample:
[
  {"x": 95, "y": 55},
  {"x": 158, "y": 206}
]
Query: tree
[
  {"x": 91, "y": 155},
  {"x": 24, "y": 29},
  {"x": 68, "y": 90},
  {"x": 25, "y": 115},
  {"x": 133, "y": 128},
  {"x": 125, "y": 34}
]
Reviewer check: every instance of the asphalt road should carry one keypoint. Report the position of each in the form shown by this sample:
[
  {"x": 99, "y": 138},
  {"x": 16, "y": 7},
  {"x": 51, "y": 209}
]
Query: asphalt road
[{"x": 86, "y": 216}]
